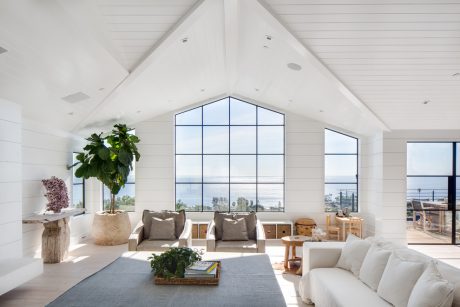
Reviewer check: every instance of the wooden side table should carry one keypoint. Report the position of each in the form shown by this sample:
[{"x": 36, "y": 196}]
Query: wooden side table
[
  {"x": 291, "y": 242},
  {"x": 56, "y": 233}
]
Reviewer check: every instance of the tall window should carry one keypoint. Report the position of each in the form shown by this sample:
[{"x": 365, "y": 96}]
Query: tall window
[
  {"x": 341, "y": 171},
  {"x": 78, "y": 187},
  {"x": 230, "y": 157},
  {"x": 125, "y": 199}
]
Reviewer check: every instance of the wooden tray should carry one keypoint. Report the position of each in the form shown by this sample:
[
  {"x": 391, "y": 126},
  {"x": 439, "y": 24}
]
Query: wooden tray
[{"x": 190, "y": 281}]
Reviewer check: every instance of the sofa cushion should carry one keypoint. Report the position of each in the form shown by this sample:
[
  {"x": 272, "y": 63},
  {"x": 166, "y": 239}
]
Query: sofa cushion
[
  {"x": 250, "y": 219},
  {"x": 234, "y": 230},
  {"x": 337, "y": 287},
  {"x": 157, "y": 245},
  {"x": 353, "y": 254},
  {"x": 374, "y": 264},
  {"x": 431, "y": 290},
  {"x": 249, "y": 246},
  {"x": 162, "y": 229},
  {"x": 179, "y": 220},
  {"x": 399, "y": 278}
]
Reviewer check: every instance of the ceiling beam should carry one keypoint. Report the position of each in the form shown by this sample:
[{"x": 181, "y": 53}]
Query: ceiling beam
[
  {"x": 269, "y": 16},
  {"x": 176, "y": 33},
  {"x": 231, "y": 10}
]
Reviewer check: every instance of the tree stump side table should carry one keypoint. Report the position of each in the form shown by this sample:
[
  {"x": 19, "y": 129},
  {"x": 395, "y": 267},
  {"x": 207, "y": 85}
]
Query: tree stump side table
[
  {"x": 56, "y": 233},
  {"x": 291, "y": 242}
]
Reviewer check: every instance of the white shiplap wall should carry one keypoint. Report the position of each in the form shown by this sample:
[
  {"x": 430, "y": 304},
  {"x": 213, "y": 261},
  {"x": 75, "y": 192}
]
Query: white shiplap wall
[
  {"x": 304, "y": 168},
  {"x": 10, "y": 180},
  {"x": 45, "y": 152}
]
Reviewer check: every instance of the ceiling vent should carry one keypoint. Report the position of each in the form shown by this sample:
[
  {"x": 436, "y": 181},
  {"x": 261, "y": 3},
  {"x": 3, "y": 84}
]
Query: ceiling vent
[
  {"x": 2, "y": 50},
  {"x": 76, "y": 97}
]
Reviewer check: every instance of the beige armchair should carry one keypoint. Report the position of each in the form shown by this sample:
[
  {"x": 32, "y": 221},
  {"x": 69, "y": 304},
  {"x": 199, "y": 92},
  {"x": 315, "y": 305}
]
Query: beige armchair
[
  {"x": 140, "y": 239},
  {"x": 215, "y": 240}
]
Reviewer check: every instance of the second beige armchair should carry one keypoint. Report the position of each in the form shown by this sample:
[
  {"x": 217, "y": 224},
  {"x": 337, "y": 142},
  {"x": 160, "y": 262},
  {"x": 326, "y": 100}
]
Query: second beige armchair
[{"x": 229, "y": 232}]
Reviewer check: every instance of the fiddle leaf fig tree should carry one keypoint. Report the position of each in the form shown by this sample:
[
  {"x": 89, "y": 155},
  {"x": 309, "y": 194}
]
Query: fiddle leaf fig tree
[{"x": 109, "y": 159}]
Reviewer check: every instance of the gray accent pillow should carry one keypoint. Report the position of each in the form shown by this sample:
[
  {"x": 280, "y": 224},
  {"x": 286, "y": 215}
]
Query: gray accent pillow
[
  {"x": 162, "y": 229},
  {"x": 250, "y": 219},
  {"x": 234, "y": 230},
  {"x": 179, "y": 220}
]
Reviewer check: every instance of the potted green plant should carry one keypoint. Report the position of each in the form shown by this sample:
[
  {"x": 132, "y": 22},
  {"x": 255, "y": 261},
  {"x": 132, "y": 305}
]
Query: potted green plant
[
  {"x": 109, "y": 159},
  {"x": 172, "y": 263}
]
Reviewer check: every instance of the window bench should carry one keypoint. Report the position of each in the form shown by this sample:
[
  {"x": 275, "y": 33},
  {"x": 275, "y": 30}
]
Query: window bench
[{"x": 16, "y": 271}]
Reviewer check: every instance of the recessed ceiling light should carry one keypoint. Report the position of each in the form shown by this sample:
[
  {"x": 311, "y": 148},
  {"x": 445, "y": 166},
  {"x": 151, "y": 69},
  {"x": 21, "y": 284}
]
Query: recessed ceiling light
[
  {"x": 321, "y": 111},
  {"x": 101, "y": 89},
  {"x": 2, "y": 50},
  {"x": 426, "y": 102},
  {"x": 457, "y": 74},
  {"x": 185, "y": 39},
  {"x": 70, "y": 113},
  {"x": 265, "y": 46},
  {"x": 256, "y": 89},
  {"x": 294, "y": 66},
  {"x": 202, "y": 89},
  {"x": 268, "y": 37},
  {"x": 290, "y": 100}
]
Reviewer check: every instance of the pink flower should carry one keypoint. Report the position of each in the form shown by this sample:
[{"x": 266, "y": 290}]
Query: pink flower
[{"x": 56, "y": 193}]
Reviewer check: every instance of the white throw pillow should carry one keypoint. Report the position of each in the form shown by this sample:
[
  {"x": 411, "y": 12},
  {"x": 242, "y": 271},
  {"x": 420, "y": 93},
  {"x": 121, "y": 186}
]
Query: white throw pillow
[
  {"x": 374, "y": 264},
  {"x": 398, "y": 279},
  {"x": 431, "y": 290},
  {"x": 353, "y": 254}
]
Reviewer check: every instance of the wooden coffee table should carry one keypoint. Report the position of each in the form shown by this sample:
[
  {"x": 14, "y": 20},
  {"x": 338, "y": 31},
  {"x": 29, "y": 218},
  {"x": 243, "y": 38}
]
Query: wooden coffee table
[{"x": 292, "y": 242}]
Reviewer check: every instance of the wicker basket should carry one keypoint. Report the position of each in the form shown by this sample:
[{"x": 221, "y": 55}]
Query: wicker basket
[
  {"x": 190, "y": 281},
  {"x": 304, "y": 226}
]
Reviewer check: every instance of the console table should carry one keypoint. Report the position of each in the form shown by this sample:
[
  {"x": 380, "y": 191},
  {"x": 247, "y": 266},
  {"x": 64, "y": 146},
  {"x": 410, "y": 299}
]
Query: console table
[{"x": 56, "y": 233}]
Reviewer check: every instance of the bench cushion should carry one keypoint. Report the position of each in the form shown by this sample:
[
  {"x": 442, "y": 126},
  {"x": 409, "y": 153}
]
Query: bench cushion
[{"x": 249, "y": 246}]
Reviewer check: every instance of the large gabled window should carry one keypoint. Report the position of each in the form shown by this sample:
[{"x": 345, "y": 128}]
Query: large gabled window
[
  {"x": 341, "y": 171},
  {"x": 229, "y": 157}
]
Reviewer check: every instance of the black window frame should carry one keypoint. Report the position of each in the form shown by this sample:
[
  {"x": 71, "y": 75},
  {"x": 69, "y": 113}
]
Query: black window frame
[
  {"x": 229, "y": 154},
  {"x": 339, "y": 183},
  {"x": 82, "y": 183}
]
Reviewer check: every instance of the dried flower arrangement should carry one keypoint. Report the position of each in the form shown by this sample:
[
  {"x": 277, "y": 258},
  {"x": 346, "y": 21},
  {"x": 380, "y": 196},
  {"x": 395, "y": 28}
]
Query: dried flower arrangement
[{"x": 56, "y": 193}]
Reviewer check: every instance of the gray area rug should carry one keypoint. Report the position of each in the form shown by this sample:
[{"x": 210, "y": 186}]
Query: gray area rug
[{"x": 245, "y": 281}]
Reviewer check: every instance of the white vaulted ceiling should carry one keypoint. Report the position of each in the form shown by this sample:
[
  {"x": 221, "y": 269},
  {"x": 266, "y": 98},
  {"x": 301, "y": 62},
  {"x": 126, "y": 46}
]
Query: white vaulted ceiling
[
  {"x": 393, "y": 54},
  {"x": 366, "y": 65}
]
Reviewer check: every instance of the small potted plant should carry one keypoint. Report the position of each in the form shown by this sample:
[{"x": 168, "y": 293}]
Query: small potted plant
[
  {"x": 172, "y": 263},
  {"x": 109, "y": 159}
]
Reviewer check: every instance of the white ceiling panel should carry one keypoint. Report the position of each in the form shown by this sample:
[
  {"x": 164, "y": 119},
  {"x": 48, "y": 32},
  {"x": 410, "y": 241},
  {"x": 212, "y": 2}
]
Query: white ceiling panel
[{"x": 393, "y": 55}]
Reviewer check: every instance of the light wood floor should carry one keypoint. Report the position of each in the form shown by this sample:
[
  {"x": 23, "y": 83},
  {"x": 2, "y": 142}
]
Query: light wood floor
[{"x": 86, "y": 258}]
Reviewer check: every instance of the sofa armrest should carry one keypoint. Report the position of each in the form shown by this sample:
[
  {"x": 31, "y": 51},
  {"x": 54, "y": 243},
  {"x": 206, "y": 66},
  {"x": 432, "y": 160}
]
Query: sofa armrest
[
  {"x": 185, "y": 239},
  {"x": 320, "y": 255},
  {"x": 136, "y": 236},
  {"x": 211, "y": 237},
  {"x": 260, "y": 237}
]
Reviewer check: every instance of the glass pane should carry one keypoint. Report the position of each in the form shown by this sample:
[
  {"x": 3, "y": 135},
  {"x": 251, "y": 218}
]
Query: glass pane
[
  {"x": 243, "y": 169},
  {"x": 242, "y": 113},
  {"x": 192, "y": 117},
  {"x": 458, "y": 191},
  {"x": 429, "y": 159},
  {"x": 339, "y": 143},
  {"x": 216, "y": 113},
  {"x": 188, "y": 197},
  {"x": 132, "y": 173},
  {"x": 267, "y": 117},
  {"x": 429, "y": 227},
  {"x": 270, "y": 197},
  {"x": 427, "y": 189},
  {"x": 77, "y": 196},
  {"x": 215, "y": 168},
  {"x": 270, "y": 140},
  {"x": 243, "y": 140},
  {"x": 215, "y": 197},
  {"x": 458, "y": 159},
  {"x": 270, "y": 169},
  {"x": 124, "y": 199},
  {"x": 215, "y": 140},
  {"x": 243, "y": 197},
  {"x": 188, "y": 168},
  {"x": 188, "y": 140},
  {"x": 340, "y": 168},
  {"x": 340, "y": 196},
  {"x": 74, "y": 160}
]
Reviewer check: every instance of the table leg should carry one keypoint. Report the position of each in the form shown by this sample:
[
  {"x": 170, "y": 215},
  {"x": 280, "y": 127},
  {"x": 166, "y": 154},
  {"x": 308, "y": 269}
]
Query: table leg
[
  {"x": 286, "y": 256},
  {"x": 55, "y": 240},
  {"x": 344, "y": 233}
]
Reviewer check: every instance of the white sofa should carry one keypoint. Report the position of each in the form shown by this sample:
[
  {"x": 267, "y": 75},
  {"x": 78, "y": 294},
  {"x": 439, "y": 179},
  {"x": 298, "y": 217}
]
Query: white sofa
[{"x": 325, "y": 285}]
